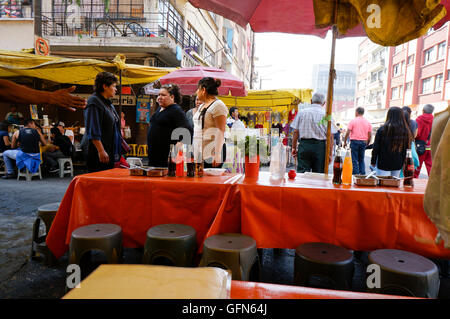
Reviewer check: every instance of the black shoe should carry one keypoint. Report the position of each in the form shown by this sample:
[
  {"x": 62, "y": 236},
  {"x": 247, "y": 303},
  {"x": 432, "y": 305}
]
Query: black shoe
[{"x": 9, "y": 176}]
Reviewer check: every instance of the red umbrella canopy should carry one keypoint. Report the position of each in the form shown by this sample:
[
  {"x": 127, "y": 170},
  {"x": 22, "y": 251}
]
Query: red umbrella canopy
[
  {"x": 386, "y": 22},
  {"x": 187, "y": 79}
]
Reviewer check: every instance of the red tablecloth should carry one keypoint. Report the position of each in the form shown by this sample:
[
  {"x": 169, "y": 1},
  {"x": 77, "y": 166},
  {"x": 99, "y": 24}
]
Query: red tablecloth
[
  {"x": 137, "y": 203},
  {"x": 289, "y": 213},
  {"x": 257, "y": 290}
]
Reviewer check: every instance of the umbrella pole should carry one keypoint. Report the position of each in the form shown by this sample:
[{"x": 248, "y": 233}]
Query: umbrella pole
[
  {"x": 331, "y": 78},
  {"x": 120, "y": 99}
]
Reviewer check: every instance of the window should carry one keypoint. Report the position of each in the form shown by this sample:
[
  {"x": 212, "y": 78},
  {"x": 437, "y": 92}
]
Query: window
[
  {"x": 394, "y": 93},
  {"x": 438, "y": 82},
  {"x": 363, "y": 67},
  {"x": 427, "y": 85},
  {"x": 194, "y": 40},
  {"x": 430, "y": 56},
  {"x": 170, "y": 20},
  {"x": 411, "y": 59},
  {"x": 402, "y": 69},
  {"x": 126, "y": 8},
  {"x": 448, "y": 75},
  {"x": 408, "y": 86},
  {"x": 441, "y": 50},
  {"x": 397, "y": 69},
  {"x": 398, "y": 48},
  {"x": 209, "y": 56}
]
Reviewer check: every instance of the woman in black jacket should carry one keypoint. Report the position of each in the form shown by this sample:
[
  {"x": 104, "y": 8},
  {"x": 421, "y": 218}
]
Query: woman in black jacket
[
  {"x": 391, "y": 142},
  {"x": 168, "y": 125}
]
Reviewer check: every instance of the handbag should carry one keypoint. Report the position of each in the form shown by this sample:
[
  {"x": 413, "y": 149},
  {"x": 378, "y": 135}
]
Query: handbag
[{"x": 420, "y": 147}]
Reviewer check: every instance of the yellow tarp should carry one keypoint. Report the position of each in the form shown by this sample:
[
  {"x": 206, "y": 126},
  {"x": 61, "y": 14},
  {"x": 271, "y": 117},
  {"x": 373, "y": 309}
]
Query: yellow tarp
[
  {"x": 386, "y": 22},
  {"x": 74, "y": 71},
  {"x": 268, "y": 98}
]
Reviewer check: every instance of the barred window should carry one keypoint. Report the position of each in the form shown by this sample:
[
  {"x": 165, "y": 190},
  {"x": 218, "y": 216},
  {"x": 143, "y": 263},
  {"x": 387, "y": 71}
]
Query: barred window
[
  {"x": 210, "y": 57},
  {"x": 170, "y": 20},
  {"x": 195, "y": 41}
]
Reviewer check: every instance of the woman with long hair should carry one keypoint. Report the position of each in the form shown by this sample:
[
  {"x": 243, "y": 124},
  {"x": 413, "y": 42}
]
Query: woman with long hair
[
  {"x": 391, "y": 142},
  {"x": 209, "y": 123}
]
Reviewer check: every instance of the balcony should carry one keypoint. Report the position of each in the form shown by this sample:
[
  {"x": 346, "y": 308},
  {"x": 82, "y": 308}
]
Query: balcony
[
  {"x": 376, "y": 65},
  {"x": 136, "y": 34}
]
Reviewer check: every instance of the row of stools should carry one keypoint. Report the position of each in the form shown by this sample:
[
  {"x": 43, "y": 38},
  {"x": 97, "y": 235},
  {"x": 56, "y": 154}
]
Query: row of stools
[{"x": 397, "y": 272}]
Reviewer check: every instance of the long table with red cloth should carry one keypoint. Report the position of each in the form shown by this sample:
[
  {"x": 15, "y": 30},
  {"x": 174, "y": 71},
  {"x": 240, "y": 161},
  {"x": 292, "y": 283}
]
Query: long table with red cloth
[
  {"x": 136, "y": 203},
  {"x": 276, "y": 214},
  {"x": 285, "y": 214}
]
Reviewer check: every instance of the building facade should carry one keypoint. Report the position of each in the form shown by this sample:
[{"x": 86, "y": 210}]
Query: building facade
[
  {"x": 149, "y": 32},
  {"x": 419, "y": 72},
  {"x": 344, "y": 86},
  {"x": 371, "y": 80}
]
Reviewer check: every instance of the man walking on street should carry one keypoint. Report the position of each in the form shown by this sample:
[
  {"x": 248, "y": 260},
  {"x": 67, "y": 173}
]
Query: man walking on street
[
  {"x": 310, "y": 127},
  {"x": 360, "y": 131},
  {"x": 424, "y": 123}
]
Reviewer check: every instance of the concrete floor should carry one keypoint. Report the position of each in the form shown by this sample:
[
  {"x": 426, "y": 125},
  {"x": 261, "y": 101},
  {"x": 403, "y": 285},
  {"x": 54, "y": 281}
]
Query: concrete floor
[{"x": 21, "y": 277}]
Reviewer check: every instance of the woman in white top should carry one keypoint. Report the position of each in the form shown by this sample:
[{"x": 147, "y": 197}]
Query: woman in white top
[{"x": 209, "y": 123}]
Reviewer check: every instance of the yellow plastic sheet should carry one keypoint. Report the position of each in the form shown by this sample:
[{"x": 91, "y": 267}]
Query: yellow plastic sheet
[
  {"x": 275, "y": 99},
  {"x": 74, "y": 71},
  {"x": 386, "y": 22}
]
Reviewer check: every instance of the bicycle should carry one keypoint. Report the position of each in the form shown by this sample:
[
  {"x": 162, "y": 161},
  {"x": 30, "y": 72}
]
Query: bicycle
[{"x": 108, "y": 29}]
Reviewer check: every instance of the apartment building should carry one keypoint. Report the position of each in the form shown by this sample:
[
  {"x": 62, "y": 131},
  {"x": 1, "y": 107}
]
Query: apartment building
[
  {"x": 371, "y": 80},
  {"x": 344, "y": 86},
  {"x": 419, "y": 73},
  {"x": 149, "y": 32}
]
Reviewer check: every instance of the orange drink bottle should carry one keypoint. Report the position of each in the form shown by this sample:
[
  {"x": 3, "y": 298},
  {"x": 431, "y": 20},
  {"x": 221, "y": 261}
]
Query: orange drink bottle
[{"x": 347, "y": 169}]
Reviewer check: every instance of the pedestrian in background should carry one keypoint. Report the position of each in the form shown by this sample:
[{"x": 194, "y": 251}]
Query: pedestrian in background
[
  {"x": 424, "y": 123},
  {"x": 360, "y": 131},
  {"x": 391, "y": 142},
  {"x": 191, "y": 112},
  {"x": 309, "y": 126}
]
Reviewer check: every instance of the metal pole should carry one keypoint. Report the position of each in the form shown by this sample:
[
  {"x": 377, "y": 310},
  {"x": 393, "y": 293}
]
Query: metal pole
[
  {"x": 37, "y": 8},
  {"x": 331, "y": 78},
  {"x": 252, "y": 69},
  {"x": 120, "y": 98}
]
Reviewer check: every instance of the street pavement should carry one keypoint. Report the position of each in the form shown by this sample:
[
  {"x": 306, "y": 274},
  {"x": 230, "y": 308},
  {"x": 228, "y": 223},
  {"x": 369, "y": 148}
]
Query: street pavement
[{"x": 21, "y": 277}]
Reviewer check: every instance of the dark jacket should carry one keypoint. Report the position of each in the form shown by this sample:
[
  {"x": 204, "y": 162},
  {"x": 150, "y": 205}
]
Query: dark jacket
[
  {"x": 64, "y": 144},
  {"x": 102, "y": 123},
  {"x": 382, "y": 156},
  {"x": 159, "y": 136}
]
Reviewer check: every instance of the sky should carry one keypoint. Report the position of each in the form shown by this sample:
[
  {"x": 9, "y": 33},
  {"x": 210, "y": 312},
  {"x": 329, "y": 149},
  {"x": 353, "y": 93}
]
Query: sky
[{"x": 286, "y": 60}]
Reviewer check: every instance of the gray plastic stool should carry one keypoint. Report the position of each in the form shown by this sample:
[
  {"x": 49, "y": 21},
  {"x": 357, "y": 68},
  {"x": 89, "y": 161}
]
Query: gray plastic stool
[
  {"x": 405, "y": 273},
  {"x": 46, "y": 214},
  {"x": 235, "y": 252},
  {"x": 173, "y": 242},
  {"x": 324, "y": 260},
  {"x": 104, "y": 237}
]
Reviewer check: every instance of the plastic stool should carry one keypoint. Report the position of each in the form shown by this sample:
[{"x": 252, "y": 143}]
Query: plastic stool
[
  {"x": 173, "y": 242},
  {"x": 62, "y": 163},
  {"x": 235, "y": 252},
  {"x": 28, "y": 176},
  {"x": 324, "y": 260},
  {"x": 46, "y": 213},
  {"x": 104, "y": 237},
  {"x": 405, "y": 273}
]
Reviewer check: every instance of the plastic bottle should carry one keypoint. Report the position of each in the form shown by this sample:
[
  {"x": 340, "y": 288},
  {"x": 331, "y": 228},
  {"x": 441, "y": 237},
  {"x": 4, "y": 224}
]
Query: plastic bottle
[
  {"x": 347, "y": 169},
  {"x": 180, "y": 163}
]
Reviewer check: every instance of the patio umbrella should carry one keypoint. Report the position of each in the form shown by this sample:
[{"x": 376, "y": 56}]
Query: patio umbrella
[
  {"x": 187, "y": 79},
  {"x": 386, "y": 22}
]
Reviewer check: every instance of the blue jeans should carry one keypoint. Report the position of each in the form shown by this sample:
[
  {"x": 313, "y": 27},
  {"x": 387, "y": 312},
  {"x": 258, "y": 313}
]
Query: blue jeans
[
  {"x": 358, "y": 149},
  {"x": 9, "y": 157},
  {"x": 381, "y": 172}
]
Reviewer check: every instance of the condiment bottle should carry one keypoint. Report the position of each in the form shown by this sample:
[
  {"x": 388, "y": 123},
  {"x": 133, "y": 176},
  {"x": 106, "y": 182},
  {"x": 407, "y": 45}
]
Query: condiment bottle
[{"x": 347, "y": 169}]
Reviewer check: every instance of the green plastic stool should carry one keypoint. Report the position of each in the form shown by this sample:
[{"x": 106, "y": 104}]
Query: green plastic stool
[
  {"x": 103, "y": 237},
  {"x": 325, "y": 261},
  {"x": 174, "y": 243},
  {"x": 234, "y": 252},
  {"x": 405, "y": 273},
  {"x": 46, "y": 214}
]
